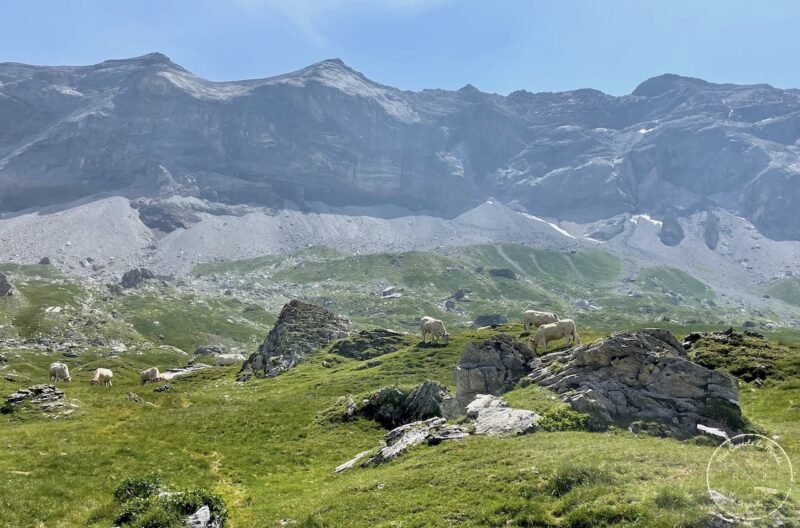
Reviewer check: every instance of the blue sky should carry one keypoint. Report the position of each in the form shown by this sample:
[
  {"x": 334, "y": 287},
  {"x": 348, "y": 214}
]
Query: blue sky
[{"x": 496, "y": 45}]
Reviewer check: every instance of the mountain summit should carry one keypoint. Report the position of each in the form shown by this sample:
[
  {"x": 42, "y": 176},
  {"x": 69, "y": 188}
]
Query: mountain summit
[{"x": 146, "y": 127}]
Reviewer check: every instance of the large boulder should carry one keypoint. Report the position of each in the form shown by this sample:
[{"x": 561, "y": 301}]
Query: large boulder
[
  {"x": 711, "y": 230},
  {"x": 6, "y": 290},
  {"x": 136, "y": 277},
  {"x": 301, "y": 329},
  {"x": 671, "y": 233},
  {"x": 492, "y": 366},
  {"x": 368, "y": 344},
  {"x": 642, "y": 376}
]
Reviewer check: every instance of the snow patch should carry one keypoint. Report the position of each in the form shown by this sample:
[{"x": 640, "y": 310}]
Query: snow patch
[
  {"x": 554, "y": 226},
  {"x": 647, "y": 218}
]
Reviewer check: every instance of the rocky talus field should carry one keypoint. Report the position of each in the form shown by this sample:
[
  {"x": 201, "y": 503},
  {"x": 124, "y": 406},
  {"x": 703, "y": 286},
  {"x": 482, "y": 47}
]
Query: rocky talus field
[{"x": 338, "y": 415}]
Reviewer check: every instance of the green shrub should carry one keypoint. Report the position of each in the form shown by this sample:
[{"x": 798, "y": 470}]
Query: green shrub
[
  {"x": 188, "y": 501},
  {"x": 141, "y": 506},
  {"x": 563, "y": 419},
  {"x": 137, "y": 488}
]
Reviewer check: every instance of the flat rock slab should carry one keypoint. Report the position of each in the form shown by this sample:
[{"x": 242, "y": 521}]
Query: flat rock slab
[
  {"x": 494, "y": 417},
  {"x": 183, "y": 371}
]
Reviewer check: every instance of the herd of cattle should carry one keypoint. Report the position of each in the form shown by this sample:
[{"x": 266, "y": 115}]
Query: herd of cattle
[
  {"x": 102, "y": 376},
  {"x": 548, "y": 328}
]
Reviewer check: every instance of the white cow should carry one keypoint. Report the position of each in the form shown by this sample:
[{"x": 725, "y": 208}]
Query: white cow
[
  {"x": 226, "y": 360},
  {"x": 102, "y": 376},
  {"x": 434, "y": 327},
  {"x": 554, "y": 331},
  {"x": 151, "y": 374},
  {"x": 537, "y": 319},
  {"x": 59, "y": 371}
]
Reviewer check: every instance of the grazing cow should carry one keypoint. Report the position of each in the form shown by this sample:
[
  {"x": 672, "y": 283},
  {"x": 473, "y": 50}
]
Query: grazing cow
[
  {"x": 102, "y": 376},
  {"x": 148, "y": 375},
  {"x": 537, "y": 319},
  {"x": 554, "y": 331},
  {"x": 434, "y": 327},
  {"x": 59, "y": 371},
  {"x": 226, "y": 360}
]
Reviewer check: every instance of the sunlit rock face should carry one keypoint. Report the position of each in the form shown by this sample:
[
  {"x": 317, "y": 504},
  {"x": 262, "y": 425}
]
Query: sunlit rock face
[{"x": 147, "y": 128}]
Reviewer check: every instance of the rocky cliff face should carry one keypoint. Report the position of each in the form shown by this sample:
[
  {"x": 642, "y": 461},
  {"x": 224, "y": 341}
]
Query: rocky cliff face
[{"x": 146, "y": 127}]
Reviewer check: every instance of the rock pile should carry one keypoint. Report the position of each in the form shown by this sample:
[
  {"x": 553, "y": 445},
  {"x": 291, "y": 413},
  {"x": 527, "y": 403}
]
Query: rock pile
[
  {"x": 301, "y": 328},
  {"x": 43, "y": 398}
]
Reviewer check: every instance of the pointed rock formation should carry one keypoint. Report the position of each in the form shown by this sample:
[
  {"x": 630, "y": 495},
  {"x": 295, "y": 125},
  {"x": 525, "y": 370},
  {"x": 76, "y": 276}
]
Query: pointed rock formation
[{"x": 301, "y": 329}]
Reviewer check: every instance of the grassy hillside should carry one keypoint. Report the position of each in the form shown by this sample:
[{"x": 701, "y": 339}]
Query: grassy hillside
[
  {"x": 264, "y": 448},
  {"x": 787, "y": 290},
  {"x": 264, "y": 445}
]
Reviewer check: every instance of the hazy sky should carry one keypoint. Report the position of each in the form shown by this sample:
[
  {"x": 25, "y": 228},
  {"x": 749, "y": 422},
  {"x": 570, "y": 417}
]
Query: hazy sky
[{"x": 497, "y": 45}]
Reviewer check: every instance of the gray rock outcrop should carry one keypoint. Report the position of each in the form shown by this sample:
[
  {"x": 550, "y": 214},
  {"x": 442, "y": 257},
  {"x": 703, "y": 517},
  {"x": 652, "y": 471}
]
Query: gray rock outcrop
[
  {"x": 489, "y": 320},
  {"x": 671, "y": 233},
  {"x": 6, "y": 290},
  {"x": 608, "y": 230},
  {"x": 301, "y": 329},
  {"x": 432, "y": 431},
  {"x": 642, "y": 376},
  {"x": 46, "y": 399},
  {"x": 505, "y": 273},
  {"x": 493, "y": 417},
  {"x": 368, "y": 344},
  {"x": 393, "y": 406},
  {"x": 136, "y": 277},
  {"x": 165, "y": 216},
  {"x": 711, "y": 230},
  {"x": 492, "y": 366}
]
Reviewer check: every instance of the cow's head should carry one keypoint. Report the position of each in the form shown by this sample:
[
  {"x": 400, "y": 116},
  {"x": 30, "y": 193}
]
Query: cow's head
[
  {"x": 95, "y": 382},
  {"x": 446, "y": 337}
]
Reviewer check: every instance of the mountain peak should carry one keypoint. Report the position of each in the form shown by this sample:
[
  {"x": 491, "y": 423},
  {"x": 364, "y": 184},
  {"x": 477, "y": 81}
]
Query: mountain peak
[
  {"x": 148, "y": 59},
  {"x": 660, "y": 84}
]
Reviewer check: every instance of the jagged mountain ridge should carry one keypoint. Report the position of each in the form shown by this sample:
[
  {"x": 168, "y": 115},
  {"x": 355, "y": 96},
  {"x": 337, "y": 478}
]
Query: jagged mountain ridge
[{"x": 148, "y": 127}]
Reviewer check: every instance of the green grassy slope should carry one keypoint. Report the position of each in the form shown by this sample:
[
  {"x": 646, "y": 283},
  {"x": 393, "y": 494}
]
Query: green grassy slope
[
  {"x": 787, "y": 290},
  {"x": 263, "y": 446}
]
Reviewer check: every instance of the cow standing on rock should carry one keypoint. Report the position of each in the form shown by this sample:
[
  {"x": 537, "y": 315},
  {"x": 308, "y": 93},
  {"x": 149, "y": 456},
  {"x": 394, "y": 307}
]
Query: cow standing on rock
[{"x": 434, "y": 327}]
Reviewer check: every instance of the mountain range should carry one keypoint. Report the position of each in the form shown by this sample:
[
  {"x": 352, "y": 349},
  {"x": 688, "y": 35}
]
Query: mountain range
[{"x": 147, "y": 128}]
